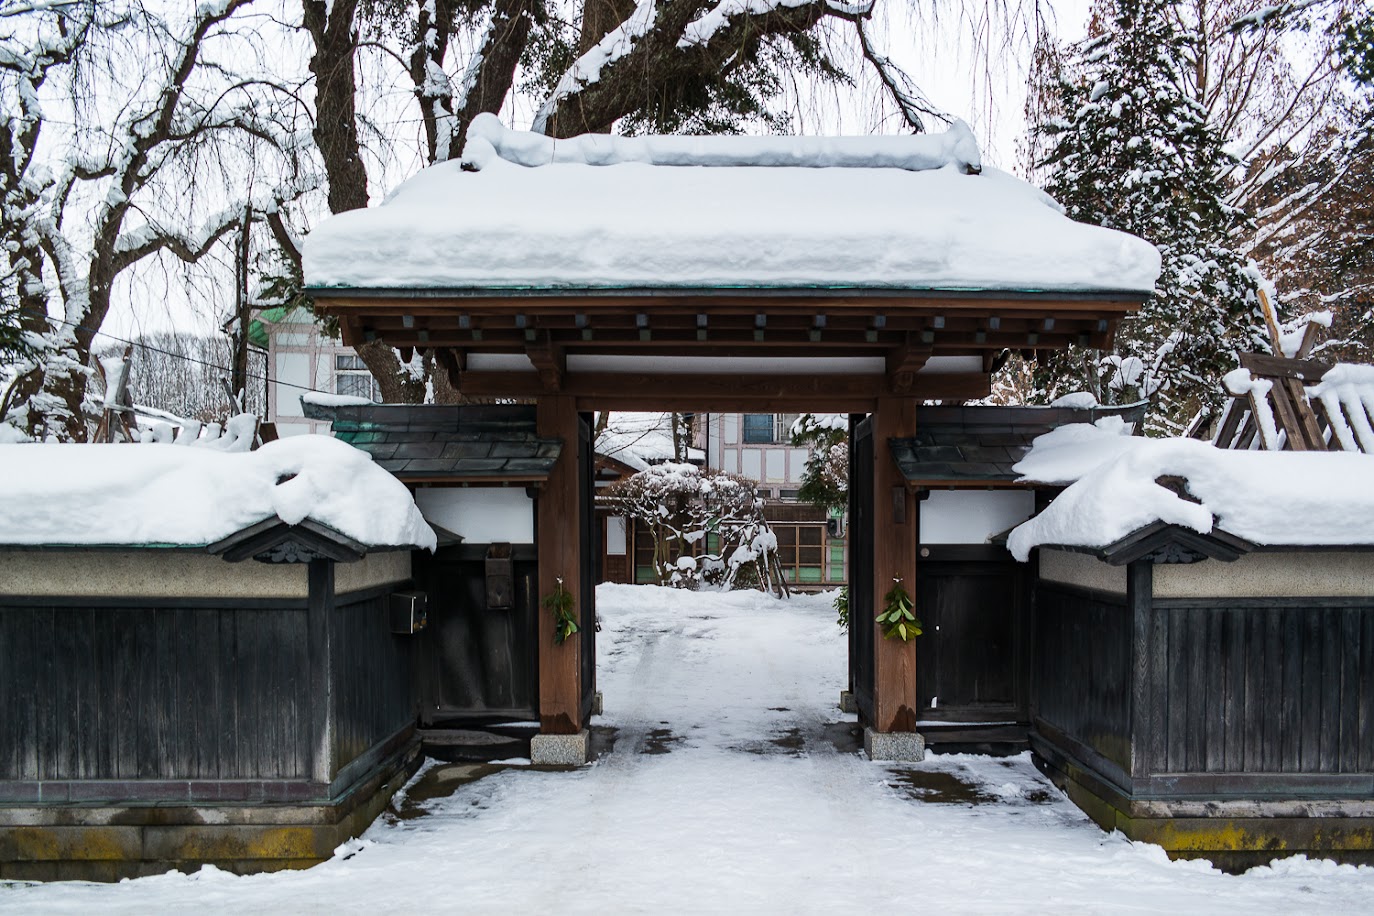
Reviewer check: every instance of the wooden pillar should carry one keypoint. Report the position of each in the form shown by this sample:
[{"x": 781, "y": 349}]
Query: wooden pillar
[
  {"x": 894, "y": 556},
  {"x": 558, "y": 529}
]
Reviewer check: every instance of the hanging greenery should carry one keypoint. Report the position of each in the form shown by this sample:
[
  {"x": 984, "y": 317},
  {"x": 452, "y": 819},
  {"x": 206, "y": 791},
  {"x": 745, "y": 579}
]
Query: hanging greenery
[
  {"x": 842, "y": 608},
  {"x": 560, "y": 603},
  {"x": 899, "y": 618}
]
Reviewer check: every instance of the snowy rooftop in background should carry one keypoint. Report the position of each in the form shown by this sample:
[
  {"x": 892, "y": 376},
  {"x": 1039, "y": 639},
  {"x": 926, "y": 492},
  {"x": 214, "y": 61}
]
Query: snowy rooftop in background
[
  {"x": 640, "y": 440},
  {"x": 1267, "y": 498},
  {"x": 524, "y": 211},
  {"x": 146, "y": 495}
]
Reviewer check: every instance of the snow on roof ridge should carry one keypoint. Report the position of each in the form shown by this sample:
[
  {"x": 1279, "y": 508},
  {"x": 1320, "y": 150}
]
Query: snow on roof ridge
[{"x": 488, "y": 141}]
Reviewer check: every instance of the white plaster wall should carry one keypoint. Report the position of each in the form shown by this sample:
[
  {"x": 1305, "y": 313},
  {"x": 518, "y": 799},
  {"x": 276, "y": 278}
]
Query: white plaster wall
[
  {"x": 1296, "y": 575},
  {"x": 776, "y": 465},
  {"x": 972, "y": 516},
  {"x": 751, "y": 463},
  {"x": 292, "y": 369},
  {"x": 615, "y": 536},
  {"x": 1081, "y": 569},
  {"x": 481, "y": 515}
]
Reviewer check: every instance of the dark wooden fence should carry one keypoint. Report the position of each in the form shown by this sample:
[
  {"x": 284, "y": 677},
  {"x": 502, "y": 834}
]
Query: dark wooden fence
[{"x": 1208, "y": 697}]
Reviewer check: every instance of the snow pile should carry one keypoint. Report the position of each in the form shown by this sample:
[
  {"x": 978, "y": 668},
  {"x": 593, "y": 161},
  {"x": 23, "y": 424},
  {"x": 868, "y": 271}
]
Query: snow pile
[
  {"x": 1243, "y": 385},
  {"x": 328, "y": 399},
  {"x": 1347, "y": 393},
  {"x": 1078, "y": 400},
  {"x": 1268, "y": 498},
  {"x": 1293, "y": 333},
  {"x": 166, "y": 495},
  {"x": 601, "y": 212},
  {"x": 489, "y": 142}
]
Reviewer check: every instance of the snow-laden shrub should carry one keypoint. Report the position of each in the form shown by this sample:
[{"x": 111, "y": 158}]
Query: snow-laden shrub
[{"x": 680, "y": 505}]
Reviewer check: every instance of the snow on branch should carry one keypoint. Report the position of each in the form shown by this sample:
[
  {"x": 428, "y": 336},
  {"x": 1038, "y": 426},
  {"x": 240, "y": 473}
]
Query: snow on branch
[
  {"x": 910, "y": 101},
  {"x": 587, "y": 68},
  {"x": 702, "y": 30},
  {"x": 488, "y": 141}
]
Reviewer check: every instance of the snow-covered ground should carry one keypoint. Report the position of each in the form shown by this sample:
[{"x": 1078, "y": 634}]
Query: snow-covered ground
[{"x": 733, "y": 786}]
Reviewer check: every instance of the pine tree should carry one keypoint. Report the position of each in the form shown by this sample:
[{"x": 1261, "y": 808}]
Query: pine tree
[{"x": 1133, "y": 152}]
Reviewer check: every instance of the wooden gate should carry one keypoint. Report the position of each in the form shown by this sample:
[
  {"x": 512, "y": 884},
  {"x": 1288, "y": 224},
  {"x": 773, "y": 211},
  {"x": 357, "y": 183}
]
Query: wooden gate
[{"x": 861, "y": 666}]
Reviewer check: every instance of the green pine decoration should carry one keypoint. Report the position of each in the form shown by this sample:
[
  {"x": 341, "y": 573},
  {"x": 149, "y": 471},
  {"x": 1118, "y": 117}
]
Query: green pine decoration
[
  {"x": 560, "y": 603},
  {"x": 842, "y": 608},
  {"x": 898, "y": 619}
]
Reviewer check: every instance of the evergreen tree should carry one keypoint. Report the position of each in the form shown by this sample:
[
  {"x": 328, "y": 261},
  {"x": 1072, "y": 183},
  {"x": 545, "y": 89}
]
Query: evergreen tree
[{"x": 1133, "y": 152}]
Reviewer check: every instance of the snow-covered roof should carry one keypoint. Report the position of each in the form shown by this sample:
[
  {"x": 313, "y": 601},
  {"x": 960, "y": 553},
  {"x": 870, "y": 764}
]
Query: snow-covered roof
[
  {"x": 640, "y": 440},
  {"x": 171, "y": 495},
  {"x": 1266, "y": 498},
  {"x": 524, "y": 211}
]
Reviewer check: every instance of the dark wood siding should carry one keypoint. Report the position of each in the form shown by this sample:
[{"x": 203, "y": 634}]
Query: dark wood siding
[
  {"x": 1278, "y": 686},
  {"x": 373, "y": 697},
  {"x": 195, "y": 691},
  {"x": 1081, "y": 669}
]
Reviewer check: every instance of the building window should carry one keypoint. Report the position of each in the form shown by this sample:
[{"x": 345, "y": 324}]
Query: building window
[
  {"x": 758, "y": 428},
  {"x": 352, "y": 378}
]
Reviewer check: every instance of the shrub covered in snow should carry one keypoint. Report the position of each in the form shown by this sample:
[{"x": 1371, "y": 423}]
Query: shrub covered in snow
[{"x": 684, "y": 507}]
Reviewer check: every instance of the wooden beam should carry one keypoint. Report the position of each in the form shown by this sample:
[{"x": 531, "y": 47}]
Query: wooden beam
[
  {"x": 894, "y": 557},
  {"x": 606, "y": 390},
  {"x": 557, "y": 511}
]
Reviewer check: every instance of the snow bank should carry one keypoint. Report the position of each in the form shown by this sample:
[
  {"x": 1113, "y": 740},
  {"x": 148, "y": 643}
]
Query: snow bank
[
  {"x": 163, "y": 494},
  {"x": 1269, "y": 498},
  {"x": 601, "y": 212}
]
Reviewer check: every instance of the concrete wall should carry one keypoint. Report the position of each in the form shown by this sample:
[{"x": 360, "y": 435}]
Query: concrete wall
[
  {"x": 148, "y": 573},
  {"x": 1081, "y": 569},
  {"x": 164, "y": 573},
  {"x": 1313, "y": 574}
]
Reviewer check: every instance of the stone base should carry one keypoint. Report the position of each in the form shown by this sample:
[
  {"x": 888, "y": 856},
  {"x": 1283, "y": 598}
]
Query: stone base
[
  {"x": 847, "y": 703},
  {"x": 1232, "y": 834},
  {"x": 596, "y": 703},
  {"x": 109, "y": 842},
  {"x": 559, "y": 750},
  {"x": 906, "y": 746}
]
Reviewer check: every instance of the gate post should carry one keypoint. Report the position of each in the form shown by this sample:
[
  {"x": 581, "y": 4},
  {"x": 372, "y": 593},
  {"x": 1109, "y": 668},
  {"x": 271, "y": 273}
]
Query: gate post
[
  {"x": 892, "y": 733},
  {"x": 562, "y": 737}
]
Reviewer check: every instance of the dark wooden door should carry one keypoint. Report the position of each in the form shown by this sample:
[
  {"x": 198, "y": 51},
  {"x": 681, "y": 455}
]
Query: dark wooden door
[
  {"x": 971, "y": 660},
  {"x": 476, "y": 662},
  {"x": 861, "y": 564}
]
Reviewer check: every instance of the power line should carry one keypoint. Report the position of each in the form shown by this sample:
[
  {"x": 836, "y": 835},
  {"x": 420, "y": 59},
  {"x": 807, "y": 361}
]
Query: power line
[{"x": 183, "y": 356}]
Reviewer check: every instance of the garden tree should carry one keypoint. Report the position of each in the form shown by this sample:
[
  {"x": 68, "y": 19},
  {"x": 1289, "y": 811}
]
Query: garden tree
[
  {"x": 1132, "y": 151},
  {"x": 679, "y": 66},
  {"x": 825, "y": 481},
  {"x": 116, "y": 118},
  {"x": 685, "y": 508}
]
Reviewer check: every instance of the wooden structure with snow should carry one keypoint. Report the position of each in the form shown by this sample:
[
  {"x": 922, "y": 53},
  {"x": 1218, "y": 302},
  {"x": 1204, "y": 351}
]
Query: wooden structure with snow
[
  {"x": 1218, "y": 700},
  {"x": 188, "y": 678},
  {"x": 846, "y": 275}
]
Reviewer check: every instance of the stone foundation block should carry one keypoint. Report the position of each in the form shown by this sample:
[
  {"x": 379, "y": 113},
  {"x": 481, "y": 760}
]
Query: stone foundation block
[
  {"x": 847, "y": 703},
  {"x": 596, "y": 704},
  {"x": 559, "y": 750},
  {"x": 908, "y": 746}
]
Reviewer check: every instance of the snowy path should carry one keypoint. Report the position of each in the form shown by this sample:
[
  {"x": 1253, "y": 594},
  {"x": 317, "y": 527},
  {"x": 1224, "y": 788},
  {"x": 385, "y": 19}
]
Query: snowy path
[{"x": 733, "y": 786}]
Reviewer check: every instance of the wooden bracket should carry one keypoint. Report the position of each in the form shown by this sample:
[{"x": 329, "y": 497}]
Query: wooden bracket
[
  {"x": 904, "y": 362},
  {"x": 549, "y": 361}
]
